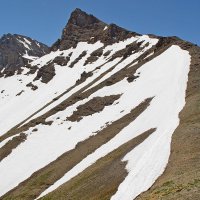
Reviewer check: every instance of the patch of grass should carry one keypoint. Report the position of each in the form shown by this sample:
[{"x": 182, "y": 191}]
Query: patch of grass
[{"x": 170, "y": 187}]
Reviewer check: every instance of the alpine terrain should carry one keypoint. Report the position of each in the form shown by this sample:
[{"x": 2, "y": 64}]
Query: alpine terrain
[
  {"x": 104, "y": 113},
  {"x": 16, "y": 51}
]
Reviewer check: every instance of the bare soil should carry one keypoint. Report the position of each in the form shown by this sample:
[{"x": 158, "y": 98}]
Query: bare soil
[
  {"x": 101, "y": 180},
  {"x": 10, "y": 145}
]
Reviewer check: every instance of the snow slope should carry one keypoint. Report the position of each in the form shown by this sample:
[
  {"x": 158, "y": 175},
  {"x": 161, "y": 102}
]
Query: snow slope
[
  {"x": 145, "y": 163},
  {"x": 10, "y": 104},
  {"x": 35, "y": 145}
]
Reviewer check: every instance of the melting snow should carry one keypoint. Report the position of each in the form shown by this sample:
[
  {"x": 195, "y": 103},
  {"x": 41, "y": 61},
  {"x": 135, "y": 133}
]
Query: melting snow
[
  {"x": 170, "y": 70},
  {"x": 148, "y": 160},
  {"x": 26, "y": 44},
  {"x": 29, "y": 57},
  {"x": 106, "y": 27}
]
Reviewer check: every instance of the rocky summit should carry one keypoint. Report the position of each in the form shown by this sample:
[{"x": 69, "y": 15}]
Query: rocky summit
[
  {"x": 83, "y": 27},
  {"x": 105, "y": 113}
]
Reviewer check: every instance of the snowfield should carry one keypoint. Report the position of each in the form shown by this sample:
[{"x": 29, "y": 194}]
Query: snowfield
[
  {"x": 10, "y": 104},
  {"x": 147, "y": 161},
  {"x": 163, "y": 78}
]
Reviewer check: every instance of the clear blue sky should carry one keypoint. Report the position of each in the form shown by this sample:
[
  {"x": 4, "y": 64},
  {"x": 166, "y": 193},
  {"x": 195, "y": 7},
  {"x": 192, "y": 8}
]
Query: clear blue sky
[{"x": 44, "y": 19}]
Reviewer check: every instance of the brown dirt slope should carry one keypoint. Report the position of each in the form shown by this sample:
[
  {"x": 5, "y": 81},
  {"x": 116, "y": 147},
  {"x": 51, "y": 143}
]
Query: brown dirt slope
[
  {"x": 101, "y": 180},
  {"x": 10, "y": 145}
]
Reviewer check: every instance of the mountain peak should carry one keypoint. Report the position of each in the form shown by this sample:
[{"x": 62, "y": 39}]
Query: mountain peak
[
  {"x": 81, "y": 18},
  {"x": 83, "y": 27},
  {"x": 17, "y": 50}
]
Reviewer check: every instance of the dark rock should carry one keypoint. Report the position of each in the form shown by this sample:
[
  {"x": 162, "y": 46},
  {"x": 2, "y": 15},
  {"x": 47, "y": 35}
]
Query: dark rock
[
  {"x": 83, "y": 27},
  {"x": 62, "y": 61},
  {"x": 107, "y": 53},
  {"x": 84, "y": 76},
  {"x": 8, "y": 72},
  {"x": 124, "y": 53},
  {"x": 14, "y": 47},
  {"x": 94, "y": 105},
  {"x": 32, "y": 86},
  {"x": 46, "y": 73},
  {"x": 32, "y": 69},
  {"x": 131, "y": 78},
  {"x": 94, "y": 56},
  {"x": 48, "y": 123},
  {"x": 20, "y": 93},
  {"x": 77, "y": 59},
  {"x": 133, "y": 47}
]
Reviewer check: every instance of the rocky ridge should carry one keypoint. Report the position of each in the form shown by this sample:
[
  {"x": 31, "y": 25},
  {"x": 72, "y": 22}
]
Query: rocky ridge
[
  {"x": 83, "y": 27},
  {"x": 17, "y": 51}
]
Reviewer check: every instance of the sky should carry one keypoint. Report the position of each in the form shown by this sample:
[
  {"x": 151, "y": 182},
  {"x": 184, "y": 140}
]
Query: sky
[{"x": 44, "y": 20}]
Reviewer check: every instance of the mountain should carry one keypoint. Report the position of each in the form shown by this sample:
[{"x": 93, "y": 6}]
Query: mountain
[
  {"x": 17, "y": 50},
  {"x": 107, "y": 114},
  {"x": 87, "y": 28}
]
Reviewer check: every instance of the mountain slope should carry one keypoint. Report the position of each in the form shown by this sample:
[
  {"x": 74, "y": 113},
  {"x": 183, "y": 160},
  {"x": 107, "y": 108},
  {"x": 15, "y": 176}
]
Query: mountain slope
[
  {"x": 16, "y": 51},
  {"x": 96, "y": 115},
  {"x": 181, "y": 179}
]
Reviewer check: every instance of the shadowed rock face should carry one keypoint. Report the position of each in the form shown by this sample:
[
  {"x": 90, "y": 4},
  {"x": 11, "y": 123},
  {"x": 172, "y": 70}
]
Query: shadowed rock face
[
  {"x": 82, "y": 19},
  {"x": 83, "y": 27},
  {"x": 13, "y": 49}
]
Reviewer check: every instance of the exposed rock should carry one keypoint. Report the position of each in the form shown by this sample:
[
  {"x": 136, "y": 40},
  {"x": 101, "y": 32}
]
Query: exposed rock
[
  {"x": 46, "y": 73},
  {"x": 48, "y": 123},
  {"x": 11, "y": 144},
  {"x": 32, "y": 86},
  {"x": 124, "y": 53},
  {"x": 17, "y": 50},
  {"x": 94, "y": 56},
  {"x": 84, "y": 76},
  {"x": 131, "y": 78},
  {"x": 106, "y": 53},
  {"x": 77, "y": 59},
  {"x": 60, "y": 60},
  {"x": 83, "y": 27},
  {"x": 95, "y": 105},
  {"x": 9, "y": 71},
  {"x": 18, "y": 94},
  {"x": 32, "y": 69}
]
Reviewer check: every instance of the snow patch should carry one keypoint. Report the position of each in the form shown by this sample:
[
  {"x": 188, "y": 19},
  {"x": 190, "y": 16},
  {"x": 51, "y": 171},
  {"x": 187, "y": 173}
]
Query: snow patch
[
  {"x": 106, "y": 27},
  {"x": 148, "y": 160}
]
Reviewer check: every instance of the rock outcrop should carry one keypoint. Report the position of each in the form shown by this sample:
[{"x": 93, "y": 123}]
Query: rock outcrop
[
  {"x": 17, "y": 50},
  {"x": 83, "y": 27}
]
